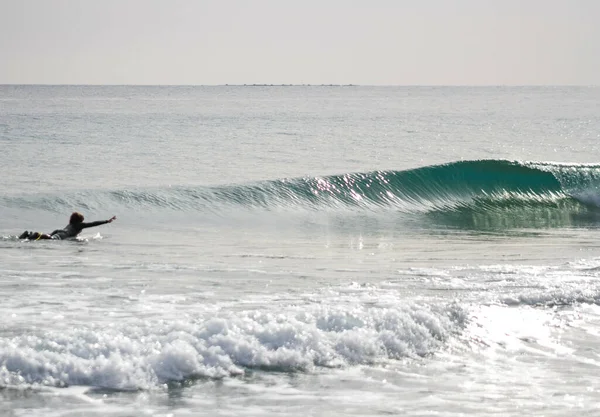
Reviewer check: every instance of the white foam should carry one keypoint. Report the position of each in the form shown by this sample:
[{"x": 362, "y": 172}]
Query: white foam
[
  {"x": 566, "y": 294},
  {"x": 144, "y": 355}
]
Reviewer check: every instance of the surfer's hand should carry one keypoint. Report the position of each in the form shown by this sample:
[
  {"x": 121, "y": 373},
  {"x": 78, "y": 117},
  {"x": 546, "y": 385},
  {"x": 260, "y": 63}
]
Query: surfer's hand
[{"x": 112, "y": 218}]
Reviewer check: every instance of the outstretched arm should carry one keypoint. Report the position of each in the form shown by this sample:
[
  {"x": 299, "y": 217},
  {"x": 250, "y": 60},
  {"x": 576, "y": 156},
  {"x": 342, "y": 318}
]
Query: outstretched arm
[{"x": 97, "y": 223}]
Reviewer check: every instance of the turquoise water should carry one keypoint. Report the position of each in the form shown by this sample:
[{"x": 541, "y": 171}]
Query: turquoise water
[{"x": 286, "y": 250}]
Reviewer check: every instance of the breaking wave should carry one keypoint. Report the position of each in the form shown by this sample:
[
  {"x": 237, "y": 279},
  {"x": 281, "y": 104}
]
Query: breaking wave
[
  {"x": 486, "y": 191},
  {"x": 143, "y": 355}
]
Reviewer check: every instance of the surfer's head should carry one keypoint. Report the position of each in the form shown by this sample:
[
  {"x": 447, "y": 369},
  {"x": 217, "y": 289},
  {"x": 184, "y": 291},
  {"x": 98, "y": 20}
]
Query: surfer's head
[{"x": 76, "y": 218}]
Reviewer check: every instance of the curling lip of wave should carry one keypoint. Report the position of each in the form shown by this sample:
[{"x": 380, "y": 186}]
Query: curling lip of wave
[{"x": 474, "y": 186}]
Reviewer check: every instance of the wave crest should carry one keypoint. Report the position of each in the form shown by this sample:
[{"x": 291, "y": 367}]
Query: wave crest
[{"x": 454, "y": 190}]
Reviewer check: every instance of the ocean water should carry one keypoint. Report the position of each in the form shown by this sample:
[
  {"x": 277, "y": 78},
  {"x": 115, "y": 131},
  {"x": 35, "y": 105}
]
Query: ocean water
[{"x": 314, "y": 250}]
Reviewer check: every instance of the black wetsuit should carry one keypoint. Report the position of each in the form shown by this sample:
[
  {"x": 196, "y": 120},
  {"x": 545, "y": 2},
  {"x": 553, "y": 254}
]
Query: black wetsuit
[{"x": 73, "y": 229}]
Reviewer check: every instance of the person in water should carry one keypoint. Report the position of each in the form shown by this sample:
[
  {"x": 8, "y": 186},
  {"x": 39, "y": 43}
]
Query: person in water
[{"x": 75, "y": 226}]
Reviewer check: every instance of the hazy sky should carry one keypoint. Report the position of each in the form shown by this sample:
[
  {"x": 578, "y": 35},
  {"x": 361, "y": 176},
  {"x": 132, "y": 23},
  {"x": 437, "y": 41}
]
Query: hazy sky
[{"x": 377, "y": 42}]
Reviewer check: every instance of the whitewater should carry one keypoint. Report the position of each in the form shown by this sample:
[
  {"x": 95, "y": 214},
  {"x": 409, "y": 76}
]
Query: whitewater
[{"x": 316, "y": 250}]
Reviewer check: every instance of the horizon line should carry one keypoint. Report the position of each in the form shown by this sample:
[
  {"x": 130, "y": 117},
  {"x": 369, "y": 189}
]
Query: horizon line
[{"x": 294, "y": 85}]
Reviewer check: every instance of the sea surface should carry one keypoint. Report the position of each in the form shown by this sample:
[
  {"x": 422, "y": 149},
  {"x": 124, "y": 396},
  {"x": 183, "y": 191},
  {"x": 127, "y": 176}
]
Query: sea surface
[{"x": 301, "y": 250}]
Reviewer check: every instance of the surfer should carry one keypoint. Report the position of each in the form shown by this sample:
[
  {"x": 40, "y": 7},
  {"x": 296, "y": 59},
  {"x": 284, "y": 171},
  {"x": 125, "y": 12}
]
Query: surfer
[{"x": 75, "y": 226}]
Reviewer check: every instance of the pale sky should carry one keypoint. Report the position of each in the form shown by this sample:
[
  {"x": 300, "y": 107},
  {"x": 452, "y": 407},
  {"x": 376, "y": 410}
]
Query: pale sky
[{"x": 376, "y": 42}]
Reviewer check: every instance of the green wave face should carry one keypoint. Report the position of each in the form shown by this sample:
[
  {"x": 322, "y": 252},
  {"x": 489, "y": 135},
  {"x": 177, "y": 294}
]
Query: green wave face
[
  {"x": 463, "y": 194},
  {"x": 486, "y": 194},
  {"x": 440, "y": 188}
]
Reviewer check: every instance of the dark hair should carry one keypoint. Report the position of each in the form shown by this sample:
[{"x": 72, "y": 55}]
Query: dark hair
[{"x": 76, "y": 218}]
